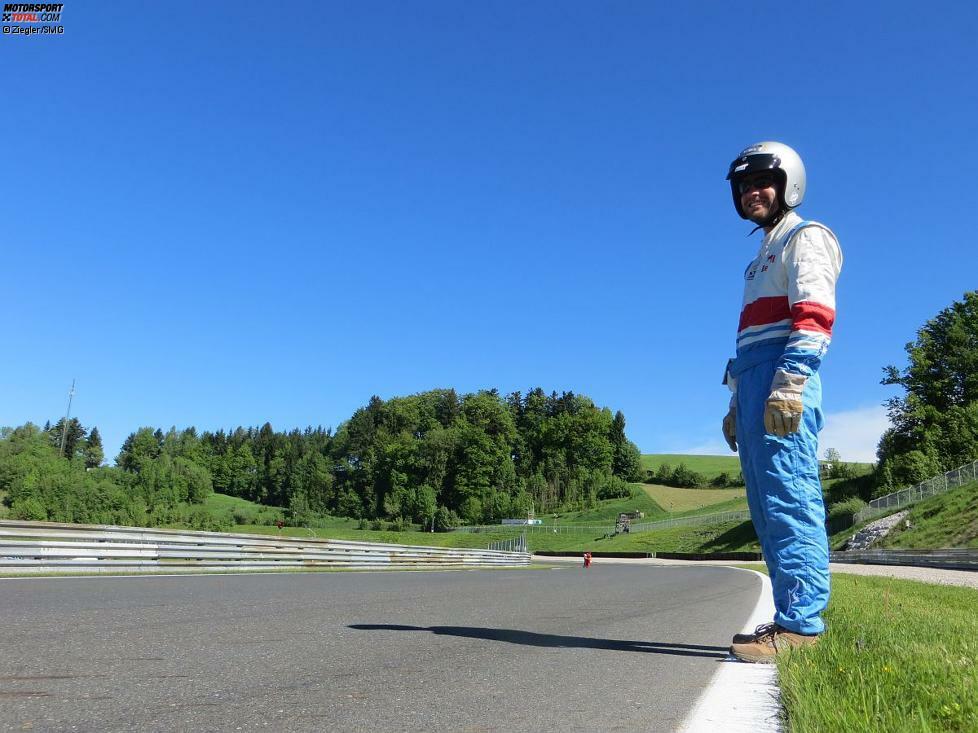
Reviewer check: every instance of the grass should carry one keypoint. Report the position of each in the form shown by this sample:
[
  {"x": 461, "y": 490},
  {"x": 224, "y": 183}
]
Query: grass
[
  {"x": 946, "y": 520},
  {"x": 898, "y": 656},
  {"x": 711, "y": 466},
  {"x": 708, "y": 466},
  {"x": 725, "y": 537},
  {"x": 943, "y": 521},
  {"x": 607, "y": 511},
  {"x": 675, "y": 500}
]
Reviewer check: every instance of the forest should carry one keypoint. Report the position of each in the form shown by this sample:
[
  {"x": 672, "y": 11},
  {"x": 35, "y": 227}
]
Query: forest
[{"x": 436, "y": 458}]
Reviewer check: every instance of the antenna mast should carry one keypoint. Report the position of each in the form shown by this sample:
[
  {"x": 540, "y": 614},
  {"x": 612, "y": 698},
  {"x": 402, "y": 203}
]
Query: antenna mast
[{"x": 64, "y": 428}]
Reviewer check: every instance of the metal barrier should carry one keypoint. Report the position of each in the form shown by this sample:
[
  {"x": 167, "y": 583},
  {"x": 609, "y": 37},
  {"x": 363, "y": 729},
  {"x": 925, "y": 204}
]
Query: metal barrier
[
  {"x": 46, "y": 547},
  {"x": 517, "y": 544},
  {"x": 719, "y": 518},
  {"x": 963, "y": 559}
]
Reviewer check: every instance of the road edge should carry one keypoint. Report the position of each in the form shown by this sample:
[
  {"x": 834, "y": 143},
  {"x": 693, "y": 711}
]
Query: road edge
[{"x": 741, "y": 697}]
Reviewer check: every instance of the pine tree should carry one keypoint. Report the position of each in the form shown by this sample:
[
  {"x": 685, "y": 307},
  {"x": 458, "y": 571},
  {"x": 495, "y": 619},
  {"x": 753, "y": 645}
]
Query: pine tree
[{"x": 94, "y": 455}]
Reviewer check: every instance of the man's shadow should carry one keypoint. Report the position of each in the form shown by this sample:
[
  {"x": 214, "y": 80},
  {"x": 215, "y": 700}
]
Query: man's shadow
[{"x": 531, "y": 638}]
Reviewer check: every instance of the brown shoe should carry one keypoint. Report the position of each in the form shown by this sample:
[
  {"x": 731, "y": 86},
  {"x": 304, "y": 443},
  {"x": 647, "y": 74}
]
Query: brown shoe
[
  {"x": 748, "y": 638},
  {"x": 770, "y": 640}
]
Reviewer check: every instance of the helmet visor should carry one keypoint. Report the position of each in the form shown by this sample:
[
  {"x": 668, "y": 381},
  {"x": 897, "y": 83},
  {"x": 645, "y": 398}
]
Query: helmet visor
[{"x": 748, "y": 164}]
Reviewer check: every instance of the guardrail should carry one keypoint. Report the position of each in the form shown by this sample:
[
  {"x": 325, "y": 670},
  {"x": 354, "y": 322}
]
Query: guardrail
[
  {"x": 952, "y": 559},
  {"x": 46, "y": 547}
]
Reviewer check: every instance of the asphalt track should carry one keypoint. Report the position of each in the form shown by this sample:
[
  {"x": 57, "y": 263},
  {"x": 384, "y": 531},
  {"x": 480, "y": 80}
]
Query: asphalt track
[{"x": 626, "y": 648}]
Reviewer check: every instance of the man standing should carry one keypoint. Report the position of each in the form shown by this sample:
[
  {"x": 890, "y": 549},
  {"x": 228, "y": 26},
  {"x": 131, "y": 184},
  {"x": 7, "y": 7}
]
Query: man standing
[{"x": 775, "y": 410}]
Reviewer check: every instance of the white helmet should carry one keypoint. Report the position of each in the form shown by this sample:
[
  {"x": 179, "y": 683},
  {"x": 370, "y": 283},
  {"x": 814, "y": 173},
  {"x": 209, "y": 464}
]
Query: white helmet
[{"x": 783, "y": 163}]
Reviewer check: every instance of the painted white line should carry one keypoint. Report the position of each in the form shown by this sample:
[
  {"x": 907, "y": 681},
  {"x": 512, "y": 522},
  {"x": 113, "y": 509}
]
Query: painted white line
[{"x": 741, "y": 696}]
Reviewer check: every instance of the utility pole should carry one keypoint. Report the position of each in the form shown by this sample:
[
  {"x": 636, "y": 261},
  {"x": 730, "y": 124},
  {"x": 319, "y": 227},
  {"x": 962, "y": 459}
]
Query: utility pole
[{"x": 64, "y": 428}]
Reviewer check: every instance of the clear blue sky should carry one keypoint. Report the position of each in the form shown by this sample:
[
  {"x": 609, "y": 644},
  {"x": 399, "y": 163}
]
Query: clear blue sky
[{"x": 226, "y": 213}]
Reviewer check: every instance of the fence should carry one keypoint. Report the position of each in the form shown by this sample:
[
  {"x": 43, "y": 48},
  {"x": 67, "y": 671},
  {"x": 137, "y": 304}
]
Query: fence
[
  {"x": 604, "y": 529},
  {"x": 45, "y": 547},
  {"x": 517, "y": 544},
  {"x": 719, "y": 518},
  {"x": 930, "y": 487}
]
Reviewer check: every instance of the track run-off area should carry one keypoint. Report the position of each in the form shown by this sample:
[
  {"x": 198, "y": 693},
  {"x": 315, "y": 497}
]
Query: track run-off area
[{"x": 613, "y": 647}]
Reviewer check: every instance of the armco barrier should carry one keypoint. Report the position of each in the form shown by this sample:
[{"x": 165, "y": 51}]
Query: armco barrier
[
  {"x": 44, "y": 547},
  {"x": 951, "y": 559}
]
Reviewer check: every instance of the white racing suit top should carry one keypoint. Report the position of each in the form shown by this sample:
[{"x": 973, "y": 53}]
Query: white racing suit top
[{"x": 789, "y": 299}]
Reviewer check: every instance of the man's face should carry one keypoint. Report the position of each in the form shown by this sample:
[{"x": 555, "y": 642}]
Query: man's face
[{"x": 758, "y": 197}]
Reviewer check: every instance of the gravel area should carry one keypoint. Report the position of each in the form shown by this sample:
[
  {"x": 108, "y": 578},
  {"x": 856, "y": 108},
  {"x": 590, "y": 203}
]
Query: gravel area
[
  {"x": 968, "y": 578},
  {"x": 927, "y": 575}
]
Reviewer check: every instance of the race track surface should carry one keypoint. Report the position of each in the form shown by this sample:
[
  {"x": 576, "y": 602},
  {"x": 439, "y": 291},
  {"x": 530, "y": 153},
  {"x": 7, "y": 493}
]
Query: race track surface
[{"x": 625, "y": 648}]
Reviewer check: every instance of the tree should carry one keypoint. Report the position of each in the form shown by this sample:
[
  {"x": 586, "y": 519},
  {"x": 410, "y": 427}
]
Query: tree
[
  {"x": 94, "y": 455},
  {"x": 832, "y": 456},
  {"x": 73, "y": 441},
  {"x": 935, "y": 422},
  {"x": 626, "y": 460},
  {"x": 138, "y": 447}
]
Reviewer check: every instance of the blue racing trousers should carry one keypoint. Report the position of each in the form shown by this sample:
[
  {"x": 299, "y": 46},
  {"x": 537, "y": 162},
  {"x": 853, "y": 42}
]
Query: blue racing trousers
[{"x": 784, "y": 494}]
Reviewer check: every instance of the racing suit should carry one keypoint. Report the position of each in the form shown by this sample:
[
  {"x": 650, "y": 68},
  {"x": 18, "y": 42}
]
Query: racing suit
[{"x": 786, "y": 326}]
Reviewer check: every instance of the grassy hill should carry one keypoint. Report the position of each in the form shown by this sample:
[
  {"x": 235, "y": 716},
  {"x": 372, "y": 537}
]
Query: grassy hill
[
  {"x": 707, "y": 466},
  {"x": 726, "y": 537},
  {"x": 945, "y": 520},
  {"x": 684, "y": 501},
  {"x": 711, "y": 466},
  {"x": 606, "y": 512}
]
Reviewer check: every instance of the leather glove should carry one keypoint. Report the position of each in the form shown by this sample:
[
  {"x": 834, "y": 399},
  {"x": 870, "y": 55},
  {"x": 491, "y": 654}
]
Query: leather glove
[
  {"x": 730, "y": 428},
  {"x": 783, "y": 409}
]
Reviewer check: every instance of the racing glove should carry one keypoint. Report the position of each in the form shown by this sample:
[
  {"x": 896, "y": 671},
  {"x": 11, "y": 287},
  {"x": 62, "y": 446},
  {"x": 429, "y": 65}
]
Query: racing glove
[
  {"x": 730, "y": 428},
  {"x": 783, "y": 409}
]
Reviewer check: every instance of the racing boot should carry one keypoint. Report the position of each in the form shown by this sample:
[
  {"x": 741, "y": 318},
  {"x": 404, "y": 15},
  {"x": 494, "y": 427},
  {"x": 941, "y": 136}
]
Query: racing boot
[
  {"x": 748, "y": 638},
  {"x": 764, "y": 647}
]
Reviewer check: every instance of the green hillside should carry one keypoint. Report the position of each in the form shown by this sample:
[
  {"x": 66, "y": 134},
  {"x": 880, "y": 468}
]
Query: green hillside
[
  {"x": 676, "y": 501},
  {"x": 711, "y": 466},
  {"x": 606, "y": 512},
  {"x": 708, "y": 466},
  {"x": 725, "y": 537},
  {"x": 942, "y": 521}
]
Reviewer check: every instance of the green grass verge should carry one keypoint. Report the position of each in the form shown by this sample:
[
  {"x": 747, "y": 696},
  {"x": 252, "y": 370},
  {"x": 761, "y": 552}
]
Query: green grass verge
[{"x": 898, "y": 656}]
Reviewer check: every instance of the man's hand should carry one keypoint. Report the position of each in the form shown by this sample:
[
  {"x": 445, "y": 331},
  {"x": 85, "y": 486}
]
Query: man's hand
[
  {"x": 782, "y": 417},
  {"x": 783, "y": 409},
  {"x": 730, "y": 429}
]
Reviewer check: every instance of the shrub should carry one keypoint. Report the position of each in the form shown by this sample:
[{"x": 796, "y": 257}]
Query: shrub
[
  {"x": 241, "y": 515},
  {"x": 848, "y": 507},
  {"x": 614, "y": 488},
  {"x": 685, "y": 478},
  {"x": 29, "y": 509},
  {"x": 445, "y": 519}
]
